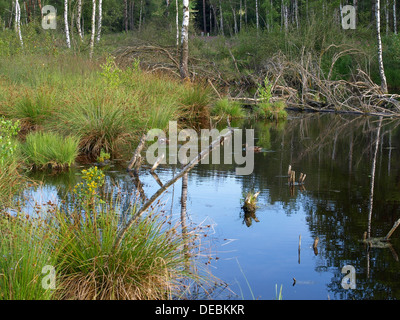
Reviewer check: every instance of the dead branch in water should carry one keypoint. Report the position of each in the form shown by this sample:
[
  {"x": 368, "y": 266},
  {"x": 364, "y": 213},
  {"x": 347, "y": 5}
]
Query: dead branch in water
[{"x": 216, "y": 143}]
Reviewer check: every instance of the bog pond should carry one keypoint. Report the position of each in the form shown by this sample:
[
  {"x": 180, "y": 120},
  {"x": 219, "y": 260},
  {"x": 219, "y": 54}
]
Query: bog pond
[{"x": 255, "y": 255}]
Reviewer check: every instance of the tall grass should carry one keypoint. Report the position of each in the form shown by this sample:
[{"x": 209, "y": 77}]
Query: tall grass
[
  {"x": 25, "y": 249},
  {"x": 50, "y": 150},
  {"x": 148, "y": 264},
  {"x": 223, "y": 107}
]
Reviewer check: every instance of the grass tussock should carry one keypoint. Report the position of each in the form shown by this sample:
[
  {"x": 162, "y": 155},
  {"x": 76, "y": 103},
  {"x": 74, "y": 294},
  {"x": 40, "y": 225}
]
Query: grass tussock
[
  {"x": 224, "y": 107},
  {"x": 43, "y": 150},
  {"x": 155, "y": 260},
  {"x": 148, "y": 264}
]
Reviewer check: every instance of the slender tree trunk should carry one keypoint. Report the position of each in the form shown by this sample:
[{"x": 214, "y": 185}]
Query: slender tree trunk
[
  {"x": 222, "y": 18},
  {"x": 245, "y": 12},
  {"x": 126, "y": 15},
  {"x": 140, "y": 15},
  {"x": 40, "y": 8},
  {"x": 204, "y": 18},
  {"x": 99, "y": 21},
  {"x": 240, "y": 15},
  {"x": 235, "y": 25},
  {"x": 394, "y": 17},
  {"x": 379, "y": 41},
  {"x": 78, "y": 19},
  {"x": 257, "y": 18},
  {"x": 184, "y": 68},
  {"x": 387, "y": 16},
  {"x": 91, "y": 45},
  {"x": 66, "y": 23},
  {"x": 177, "y": 23},
  {"x": 131, "y": 15},
  {"x": 355, "y": 5},
  {"x": 18, "y": 22}
]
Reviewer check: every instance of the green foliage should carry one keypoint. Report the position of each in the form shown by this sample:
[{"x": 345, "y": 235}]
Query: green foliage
[
  {"x": 24, "y": 250},
  {"x": 265, "y": 91},
  {"x": 103, "y": 156},
  {"x": 8, "y": 130},
  {"x": 50, "y": 150},
  {"x": 225, "y": 107},
  {"x": 33, "y": 107},
  {"x": 110, "y": 72},
  {"x": 87, "y": 191}
]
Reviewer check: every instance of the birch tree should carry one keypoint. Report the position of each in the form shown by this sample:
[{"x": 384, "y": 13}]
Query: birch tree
[
  {"x": 394, "y": 17},
  {"x": 177, "y": 23},
  {"x": 221, "y": 18},
  {"x": 126, "y": 15},
  {"x": 18, "y": 22},
  {"x": 78, "y": 19},
  {"x": 184, "y": 70},
  {"x": 379, "y": 40},
  {"x": 66, "y": 23},
  {"x": 99, "y": 21},
  {"x": 91, "y": 45},
  {"x": 204, "y": 18},
  {"x": 257, "y": 18}
]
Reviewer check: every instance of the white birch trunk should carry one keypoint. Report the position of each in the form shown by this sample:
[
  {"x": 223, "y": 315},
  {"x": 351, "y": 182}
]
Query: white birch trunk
[
  {"x": 99, "y": 21},
  {"x": 394, "y": 17},
  {"x": 379, "y": 40},
  {"x": 240, "y": 15},
  {"x": 221, "y": 18},
  {"x": 78, "y": 19},
  {"x": 257, "y": 18},
  {"x": 91, "y": 45},
  {"x": 184, "y": 70},
  {"x": 140, "y": 15},
  {"x": 177, "y": 23},
  {"x": 18, "y": 22},
  {"x": 355, "y": 5},
  {"x": 387, "y": 16},
  {"x": 66, "y": 23}
]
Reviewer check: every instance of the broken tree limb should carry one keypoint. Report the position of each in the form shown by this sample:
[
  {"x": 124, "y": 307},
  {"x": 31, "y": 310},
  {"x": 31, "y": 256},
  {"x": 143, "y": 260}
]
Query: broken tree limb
[
  {"x": 169, "y": 183},
  {"x": 136, "y": 155},
  {"x": 157, "y": 163},
  {"x": 396, "y": 224}
]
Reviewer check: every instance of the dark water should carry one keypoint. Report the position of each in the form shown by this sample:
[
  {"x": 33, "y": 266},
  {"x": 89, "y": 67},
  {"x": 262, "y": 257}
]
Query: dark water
[{"x": 254, "y": 258}]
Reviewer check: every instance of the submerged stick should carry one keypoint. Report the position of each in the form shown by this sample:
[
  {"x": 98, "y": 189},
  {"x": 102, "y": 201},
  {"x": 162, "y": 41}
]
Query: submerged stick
[{"x": 161, "y": 190}]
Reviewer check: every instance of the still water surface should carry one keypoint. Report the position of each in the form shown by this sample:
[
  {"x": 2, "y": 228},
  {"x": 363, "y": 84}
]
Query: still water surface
[{"x": 256, "y": 255}]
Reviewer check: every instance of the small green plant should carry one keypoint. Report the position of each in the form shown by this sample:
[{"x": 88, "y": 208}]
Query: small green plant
[
  {"x": 103, "y": 156},
  {"x": 8, "y": 130},
  {"x": 110, "y": 72},
  {"x": 224, "y": 107},
  {"x": 87, "y": 191},
  {"x": 250, "y": 201},
  {"x": 265, "y": 91}
]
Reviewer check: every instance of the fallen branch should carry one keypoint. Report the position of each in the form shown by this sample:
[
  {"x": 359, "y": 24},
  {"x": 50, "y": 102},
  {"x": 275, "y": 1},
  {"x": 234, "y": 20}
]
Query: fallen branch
[
  {"x": 136, "y": 155},
  {"x": 161, "y": 190}
]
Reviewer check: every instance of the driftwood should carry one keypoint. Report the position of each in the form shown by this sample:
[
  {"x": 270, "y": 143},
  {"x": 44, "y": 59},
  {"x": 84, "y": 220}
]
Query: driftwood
[
  {"x": 136, "y": 156},
  {"x": 216, "y": 143}
]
